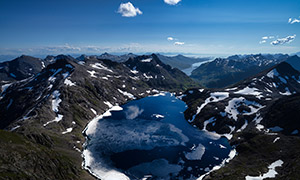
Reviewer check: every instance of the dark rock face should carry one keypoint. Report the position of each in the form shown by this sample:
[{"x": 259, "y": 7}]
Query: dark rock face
[
  {"x": 243, "y": 101},
  {"x": 224, "y": 72},
  {"x": 259, "y": 115},
  {"x": 294, "y": 61},
  {"x": 20, "y": 68},
  {"x": 158, "y": 74},
  {"x": 66, "y": 95},
  {"x": 284, "y": 113}
]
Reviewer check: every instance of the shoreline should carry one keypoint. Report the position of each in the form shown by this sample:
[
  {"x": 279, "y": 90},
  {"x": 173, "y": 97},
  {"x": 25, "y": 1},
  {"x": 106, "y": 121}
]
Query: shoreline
[{"x": 87, "y": 159}]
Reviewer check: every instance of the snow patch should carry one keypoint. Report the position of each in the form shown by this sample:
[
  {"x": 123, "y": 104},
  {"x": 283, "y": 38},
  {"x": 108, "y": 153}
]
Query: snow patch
[
  {"x": 91, "y": 127},
  {"x": 249, "y": 91},
  {"x": 287, "y": 92},
  {"x": 213, "y": 119},
  {"x": 134, "y": 71},
  {"x": 231, "y": 155},
  {"x": 108, "y": 104},
  {"x": 56, "y": 100},
  {"x": 146, "y": 60},
  {"x": 92, "y": 73},
  {"x": 101, "y": 67},
  {"x": 270, "y": 174},
  {"x": 129, "y": 95},
  {"x": 67, "y": 131},
  {"x": 273, "y": 73},
  {"x": 94, "y": 111},
  {"x": 57, "y": 119},
  {"x": 158, "y": 116},
  {"x": 233, "y": 104},
  {"x": 214, "y": 97},
  {"x": 69, "y": 82},
  {"x": 276, "y": 139},
  {"x": 4, "y": 87}
]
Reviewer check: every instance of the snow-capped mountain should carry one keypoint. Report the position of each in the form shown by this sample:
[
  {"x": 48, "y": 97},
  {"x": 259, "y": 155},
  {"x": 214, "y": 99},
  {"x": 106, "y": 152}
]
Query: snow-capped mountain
[
  {"x": 47, "y": 111},
  {"x": 229, "y": 110},
  {"x": 224, "y": 72},
  {"x": 260, "y": 117},
  {"x": 51, "y": 108},
  {"x": 116, "y": 58}
]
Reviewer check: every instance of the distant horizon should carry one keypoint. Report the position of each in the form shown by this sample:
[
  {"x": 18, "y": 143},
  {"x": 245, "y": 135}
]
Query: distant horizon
[
  {"x": 4, "y": 57},
  {"x": 192, "y": 27}
]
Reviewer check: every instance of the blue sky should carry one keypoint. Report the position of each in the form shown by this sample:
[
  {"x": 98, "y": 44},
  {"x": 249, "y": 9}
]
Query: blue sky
[{"x": 96, "y": 26}]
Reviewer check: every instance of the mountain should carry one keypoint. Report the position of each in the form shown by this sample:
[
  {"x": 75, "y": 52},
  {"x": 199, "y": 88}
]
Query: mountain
[
  {"x": 159, "y": 74},
  {"x": 224, "y": 72},
  {"x": 295, "y": 62},
  {"x": 20, "y": 68},
  {"x": 121, "y": 58},
  {"x": 297, "y": 54},
  {"x": 181, "y": 62},
  {"x": 260, "y": 117},
  {"x": 46, "y": 113}
]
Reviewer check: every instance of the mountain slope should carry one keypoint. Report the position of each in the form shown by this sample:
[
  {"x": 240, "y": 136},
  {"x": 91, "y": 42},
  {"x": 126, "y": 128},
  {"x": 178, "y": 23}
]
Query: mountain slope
[
  {"x": 224, "y": 72},
  {"x": 51, "y": 109},
  {"x": 181, "y": 62},
  {"x": 121, "y": 58},
  {"x": 295, "y": 62},
  {"x": 20, "y": 68},
  {"x": 158, "y": 74},
  {"x": 260, "y": 118}
]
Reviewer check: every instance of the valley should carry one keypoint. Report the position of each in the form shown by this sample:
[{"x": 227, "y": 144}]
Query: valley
[{"x": 123, "y": 109}]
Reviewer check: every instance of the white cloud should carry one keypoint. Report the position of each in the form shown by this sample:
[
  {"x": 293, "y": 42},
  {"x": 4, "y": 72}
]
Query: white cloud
[
  {"x": 266, "y": 37},
  {"x": 280, "y": 41},
  {"x": 271, "y": 37},
  {"x": 179, "y": 43},
  {"x": 262, "y": 42},
  {"x": 292, "y": 21},
  {"x": 128, "y": 10},
  {"x": 170, "y": 38},
  {"x": 172, "y": 2}
]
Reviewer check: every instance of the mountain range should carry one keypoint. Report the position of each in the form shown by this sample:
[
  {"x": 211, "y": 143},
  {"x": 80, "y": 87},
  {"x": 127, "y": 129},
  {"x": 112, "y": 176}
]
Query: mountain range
[
  {"x": 223, "y": 72},
  {"x": 47, "y": 112},
  {"x": 260, "y": 117},
  {"x": 46, "y": 104}
]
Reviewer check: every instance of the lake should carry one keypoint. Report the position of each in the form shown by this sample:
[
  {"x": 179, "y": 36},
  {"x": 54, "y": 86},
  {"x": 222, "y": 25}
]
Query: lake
[
  {"x": 189, "y": 70},
  {"x": 150, "y": 139}
]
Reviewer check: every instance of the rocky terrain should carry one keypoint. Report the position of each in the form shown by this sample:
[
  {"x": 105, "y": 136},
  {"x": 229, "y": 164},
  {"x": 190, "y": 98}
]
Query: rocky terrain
[
  {"x": 223, "y": 72},
  {"x": 44, "y": 115},
  {"x": 260, "y": 117},
  {"x": 43, "y": 112}
]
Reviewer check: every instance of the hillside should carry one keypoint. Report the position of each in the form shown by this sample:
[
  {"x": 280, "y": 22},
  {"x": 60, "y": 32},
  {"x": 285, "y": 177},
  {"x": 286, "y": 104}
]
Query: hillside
[
  {"x": 47, "y": 112},
  {"x": 260, "y": 118},
  {"x": 224, "y": 72}
]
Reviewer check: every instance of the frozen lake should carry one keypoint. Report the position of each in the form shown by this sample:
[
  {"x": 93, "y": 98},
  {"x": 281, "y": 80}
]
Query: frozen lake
[{"x": 150, "y": 138}]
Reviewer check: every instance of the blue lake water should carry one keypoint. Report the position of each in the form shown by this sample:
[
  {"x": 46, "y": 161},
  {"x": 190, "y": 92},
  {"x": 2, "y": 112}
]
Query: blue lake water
[
  {"x": 150, "y": 138},
  {"x": 194, "y": 66}
]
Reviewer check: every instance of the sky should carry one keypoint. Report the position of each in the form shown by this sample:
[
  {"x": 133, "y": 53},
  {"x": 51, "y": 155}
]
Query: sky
[{"x": 195, "y": 27}]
